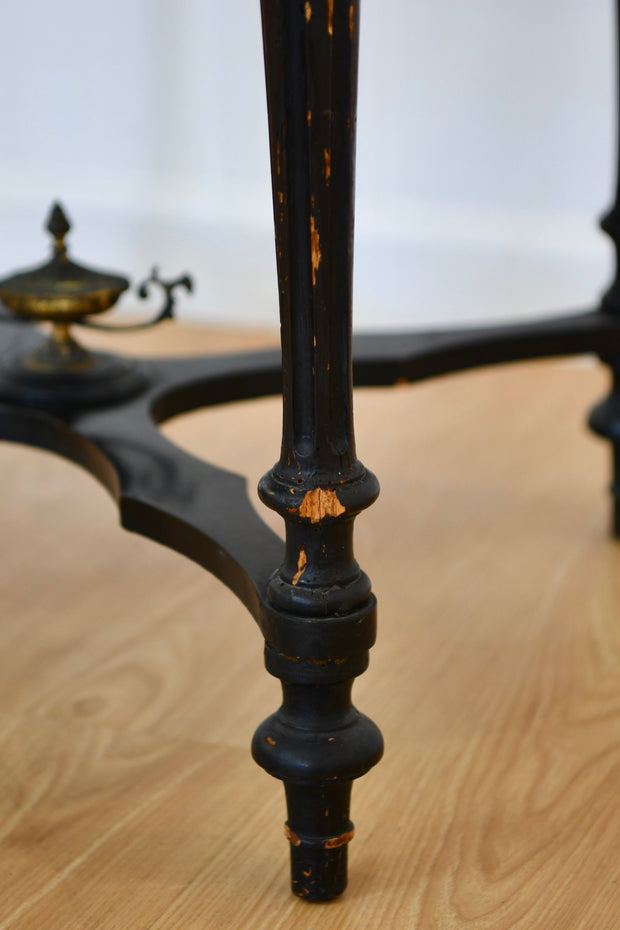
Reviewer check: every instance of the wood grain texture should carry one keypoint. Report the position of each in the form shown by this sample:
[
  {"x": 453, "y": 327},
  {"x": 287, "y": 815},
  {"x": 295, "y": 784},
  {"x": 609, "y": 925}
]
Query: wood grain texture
[{"x": 131, "y": 682}]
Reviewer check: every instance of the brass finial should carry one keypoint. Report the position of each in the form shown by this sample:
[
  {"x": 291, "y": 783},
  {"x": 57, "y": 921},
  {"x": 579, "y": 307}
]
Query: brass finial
[
  {"x": 58, "y": 225},
  {"x": 62, "y": 293}
]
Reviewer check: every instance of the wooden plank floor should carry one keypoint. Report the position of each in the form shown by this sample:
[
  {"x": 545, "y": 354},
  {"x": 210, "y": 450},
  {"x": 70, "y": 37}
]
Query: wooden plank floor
[{"x": 131, "y": 682}]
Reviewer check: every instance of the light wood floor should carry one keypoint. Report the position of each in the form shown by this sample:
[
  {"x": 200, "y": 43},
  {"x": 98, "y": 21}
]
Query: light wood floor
[{"x": 131, "y": 682}]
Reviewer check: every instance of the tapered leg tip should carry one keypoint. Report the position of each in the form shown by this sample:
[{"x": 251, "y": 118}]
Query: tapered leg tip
[{"x": 318, "y": 870}]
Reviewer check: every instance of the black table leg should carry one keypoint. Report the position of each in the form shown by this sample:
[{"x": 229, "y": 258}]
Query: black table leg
[
  {"x": 319, "y": 604},
  {"x": 605, "y": 417}
]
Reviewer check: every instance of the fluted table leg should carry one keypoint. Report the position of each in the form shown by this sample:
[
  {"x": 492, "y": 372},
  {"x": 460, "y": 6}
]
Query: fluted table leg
[{"x": 319, "y": 613}]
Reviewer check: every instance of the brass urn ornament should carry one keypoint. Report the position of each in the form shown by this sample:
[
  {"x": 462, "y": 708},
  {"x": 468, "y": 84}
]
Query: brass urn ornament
[{"x": 55, "y": 370}]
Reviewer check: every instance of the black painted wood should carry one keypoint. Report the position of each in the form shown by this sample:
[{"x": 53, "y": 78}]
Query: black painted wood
[
  {"x": 317, "y": 742},
  {"x": 310, "y": 598},
  {"x": 168, "y": 495},
  {"x": 605, "y": 417}
]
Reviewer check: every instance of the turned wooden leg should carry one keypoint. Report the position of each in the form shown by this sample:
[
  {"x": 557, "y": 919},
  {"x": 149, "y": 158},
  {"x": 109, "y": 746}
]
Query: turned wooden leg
[
  {"x": 605, "y": 417},
  {"x": 318, "y": 611}
]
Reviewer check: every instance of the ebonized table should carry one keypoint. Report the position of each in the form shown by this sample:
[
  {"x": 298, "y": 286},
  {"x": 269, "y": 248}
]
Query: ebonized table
[{"x": 308, "y": 595}]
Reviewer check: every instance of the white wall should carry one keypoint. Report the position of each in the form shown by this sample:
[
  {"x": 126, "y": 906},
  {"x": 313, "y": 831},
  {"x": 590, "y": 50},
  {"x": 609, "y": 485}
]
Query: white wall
[{"x": 485, "y": 150}]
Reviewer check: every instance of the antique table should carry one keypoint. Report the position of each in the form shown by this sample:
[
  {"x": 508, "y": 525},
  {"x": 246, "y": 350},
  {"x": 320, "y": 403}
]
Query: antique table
[{"x": 308, "y": 595}]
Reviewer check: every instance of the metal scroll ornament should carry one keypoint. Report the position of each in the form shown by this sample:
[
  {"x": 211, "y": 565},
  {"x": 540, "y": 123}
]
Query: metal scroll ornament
[{"x": 56, "y": 370}]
